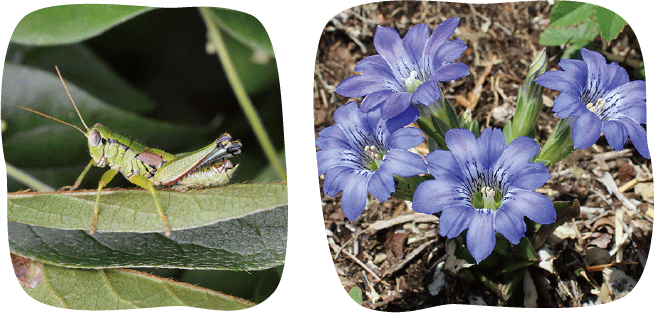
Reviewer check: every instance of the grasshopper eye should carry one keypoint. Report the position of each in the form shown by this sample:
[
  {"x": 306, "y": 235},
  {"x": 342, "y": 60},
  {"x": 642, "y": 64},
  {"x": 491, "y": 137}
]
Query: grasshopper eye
[{"x": 94, "y": 138}]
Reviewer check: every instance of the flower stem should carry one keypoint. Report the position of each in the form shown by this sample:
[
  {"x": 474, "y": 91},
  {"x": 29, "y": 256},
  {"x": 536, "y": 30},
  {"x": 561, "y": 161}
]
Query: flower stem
[{"x": 243, "y": 99}]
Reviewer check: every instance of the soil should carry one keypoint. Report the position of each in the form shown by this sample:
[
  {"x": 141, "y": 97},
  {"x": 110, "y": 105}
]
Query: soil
[{"x": 392, "y": 253}]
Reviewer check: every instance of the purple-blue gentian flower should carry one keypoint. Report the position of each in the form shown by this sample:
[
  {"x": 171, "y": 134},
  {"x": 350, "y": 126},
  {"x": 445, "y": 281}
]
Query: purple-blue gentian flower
[
  {"x": 600, "y": 98},
  {"x": 485, "y": 186},
  {"x": 406, "y": 70},
  {"x": 358, "y": 155}
]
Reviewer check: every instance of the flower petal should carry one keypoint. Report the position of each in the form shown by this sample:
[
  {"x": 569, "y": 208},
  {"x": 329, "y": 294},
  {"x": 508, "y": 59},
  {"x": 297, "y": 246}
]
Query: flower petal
[
  {"x": 395, "y": 104},
  {"x": 454, "y": 220},
  {"x": 531, "y": 204},
  {"x": 410, "y": 115},
  {"x": 426, "y": 94},
  {"x": 332, "y": 137},
  {"x": 511, "y": 226},
  {"x": 450, "y": 71},
  {"x": 449, "y": 51},
  {"x": 443, "y": 162},
  {"x": 405, "y": 138},
  {"x": 491, "y": 144},
  {"x": 403, "y": 163},
  {"x": 374, "y": 65},
  {"x": 361, "y": 85},
  {"x": 515, "y": 158},
  {"x": 355, "y": 194},
  {"x": 388, "y": 44},
  {"x": 415, "y": 40},
  {"x": 435, "y": 195},
  {"x": 373, "y": 100},
  {"x": 381, "y": 185},
  {"x": 334, "y": 182},
  {"x": 567, "y": 104},
  {"x": 530, "y": 176},
  {"x": 626, "y": 100},
  {"x": 481, "y": 234},
  {"x": 328, "y": 159},
  {"x": 559, "y": 80},
  {"x": 638, "y": 136},
  {"x": 351, "y": 120},
  {"x": 586, "y": 129},
  {"x": 441, "y": 34},
  {"x": 615, "y": 134},
  {"x": 463, "y": 144},
  {"x": 599, "y": 74}
]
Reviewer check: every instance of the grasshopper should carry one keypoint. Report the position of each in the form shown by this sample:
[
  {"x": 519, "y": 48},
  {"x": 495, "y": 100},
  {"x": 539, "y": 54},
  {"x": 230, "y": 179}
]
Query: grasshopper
[{"x": 148, "y": 167}]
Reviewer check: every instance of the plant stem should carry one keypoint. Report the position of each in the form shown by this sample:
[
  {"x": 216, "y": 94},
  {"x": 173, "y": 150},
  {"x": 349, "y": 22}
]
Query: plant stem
[
  {"x": 243, "y": 99},
  {"x": 27, "y": 179}
]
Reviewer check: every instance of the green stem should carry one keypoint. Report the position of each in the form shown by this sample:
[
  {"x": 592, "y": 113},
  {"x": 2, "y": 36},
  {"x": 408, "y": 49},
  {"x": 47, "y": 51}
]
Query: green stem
[
  {"x": 27, "y": 179},
  {"x": 241, "y": 94}
]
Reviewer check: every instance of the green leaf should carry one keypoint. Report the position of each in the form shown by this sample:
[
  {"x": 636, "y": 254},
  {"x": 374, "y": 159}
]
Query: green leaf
[
  {"x": 95, "y": 77},
  {"x": 609, "y": 23},
  {"x": 71, "y": 23},
  {"x": 111, "y": 289},
  {"x": 249, "y": 48},
  {"x": 238, "y": 227},
  {"x": 566, "y": 13},
  {"x": 245, "y": 28},
  {"x": 356, "y": 295},
  {"x": 34, "y": 141},
  {"x": 579, "y": 33},
  {"x": 133, "y": 210}
]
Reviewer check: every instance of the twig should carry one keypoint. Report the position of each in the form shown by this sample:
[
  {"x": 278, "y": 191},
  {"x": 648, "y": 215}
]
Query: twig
[
  {"x": 408, "y": 258},
  {"x": 401, "y": 219},
  {"x": 349, "y": 255},
  {"x": 612, "y": 187}
]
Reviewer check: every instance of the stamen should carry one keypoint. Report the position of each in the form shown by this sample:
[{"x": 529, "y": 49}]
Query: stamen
[{"x": 594, "y": 107}]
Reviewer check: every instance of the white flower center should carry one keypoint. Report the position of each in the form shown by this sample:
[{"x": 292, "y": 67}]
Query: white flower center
[{"x": 412, "y": 82}]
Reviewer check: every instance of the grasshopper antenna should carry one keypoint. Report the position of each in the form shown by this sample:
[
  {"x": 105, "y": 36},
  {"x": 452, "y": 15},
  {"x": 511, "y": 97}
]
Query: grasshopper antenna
[
  {"x": 56, "y": 119},
  {"x": 71, "y": 98}
]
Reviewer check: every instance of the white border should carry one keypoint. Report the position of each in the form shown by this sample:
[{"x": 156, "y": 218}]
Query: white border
[{"x": 309, "y": 281}]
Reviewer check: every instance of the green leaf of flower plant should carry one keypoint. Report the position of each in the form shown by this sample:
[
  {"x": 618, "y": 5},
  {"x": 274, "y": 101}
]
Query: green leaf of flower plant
[
  {"x": 566, "y": 13},
  {"x": 71, "y": 23},
  {"x": 111, "y": 289},
  {"x": 609, "y": 23},
  {"x": 235, "y": 227},
  {"x": 578, "y": 33}
]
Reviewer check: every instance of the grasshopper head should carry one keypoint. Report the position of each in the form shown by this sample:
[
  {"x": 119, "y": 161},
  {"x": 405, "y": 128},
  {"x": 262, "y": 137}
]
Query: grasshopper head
[{"x": 98, "y": 135}]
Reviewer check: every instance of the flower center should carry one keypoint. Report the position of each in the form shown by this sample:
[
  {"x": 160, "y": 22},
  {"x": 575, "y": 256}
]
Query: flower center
[
  {"x": 594, "y": 107},
  {"x": 487, "y": 198},
  {"x": 412, "y": 82},
  {"x": 375, "y": 157}
]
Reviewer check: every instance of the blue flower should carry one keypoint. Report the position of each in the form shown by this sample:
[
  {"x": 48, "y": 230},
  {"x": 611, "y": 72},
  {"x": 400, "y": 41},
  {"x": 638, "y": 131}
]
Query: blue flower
[
  {"x": 406, "y": 70},
  {"x": 600, "y": 98},
  {"x": 484, "y": 186},
  {"x": 358, "y": 155}
]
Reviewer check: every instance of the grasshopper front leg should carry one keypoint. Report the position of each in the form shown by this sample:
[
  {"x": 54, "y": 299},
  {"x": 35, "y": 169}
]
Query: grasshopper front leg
[
  {"x": 81, "y": 176},
  {"x": 106, "y": 178}
]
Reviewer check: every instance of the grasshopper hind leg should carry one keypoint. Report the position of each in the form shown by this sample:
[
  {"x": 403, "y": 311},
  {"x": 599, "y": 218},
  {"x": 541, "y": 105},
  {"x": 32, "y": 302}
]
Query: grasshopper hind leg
[{"x": 144, "y": 183}]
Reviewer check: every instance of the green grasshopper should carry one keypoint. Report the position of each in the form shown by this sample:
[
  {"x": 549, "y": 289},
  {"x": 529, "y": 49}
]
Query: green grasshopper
[{"x": 148, "y": 167}]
